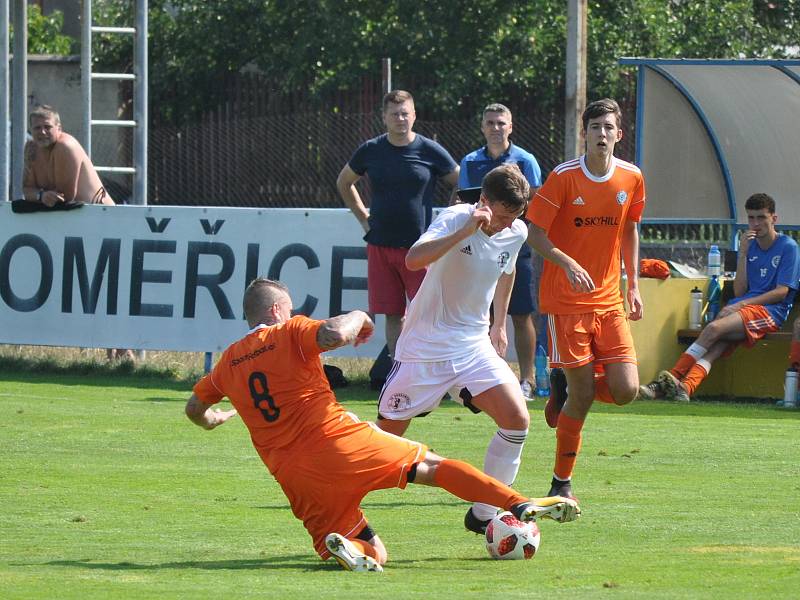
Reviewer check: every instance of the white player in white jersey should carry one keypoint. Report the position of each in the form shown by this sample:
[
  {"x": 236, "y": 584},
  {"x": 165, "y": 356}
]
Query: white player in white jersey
[{"x": 447, "y": 342}]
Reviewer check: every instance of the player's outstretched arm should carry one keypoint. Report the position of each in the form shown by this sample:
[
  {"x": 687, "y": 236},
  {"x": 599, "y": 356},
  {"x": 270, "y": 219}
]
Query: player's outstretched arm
[
  {"x": 203, "y": 415},
  {"x": 630, "y": 257},
  {"x": 502, "y": 295},
  {"x": 740, "y": 281},
  {"x": 427, "y": 251},
  {"x": 578, "y": 277},
  {"x": 345, "y": 184},
  {"x": 354, "y": 328}
]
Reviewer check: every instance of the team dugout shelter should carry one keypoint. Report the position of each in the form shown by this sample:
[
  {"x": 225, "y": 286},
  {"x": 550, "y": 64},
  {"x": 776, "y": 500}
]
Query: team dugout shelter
[{"x": 712, "y": 132}]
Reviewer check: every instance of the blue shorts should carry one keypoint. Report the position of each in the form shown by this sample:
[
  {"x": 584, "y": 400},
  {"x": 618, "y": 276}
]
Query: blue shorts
[{"x": 525, "y": 293}]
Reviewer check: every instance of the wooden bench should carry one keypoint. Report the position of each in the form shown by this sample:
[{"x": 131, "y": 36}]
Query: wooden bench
[{"x": 687, "y": 336}]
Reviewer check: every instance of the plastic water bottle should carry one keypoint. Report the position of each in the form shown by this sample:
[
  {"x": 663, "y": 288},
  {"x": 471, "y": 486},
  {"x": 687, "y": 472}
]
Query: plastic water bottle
[
  {"x": 696, "y": 308},
  {"x": 790, "y": 389},
  {"x": 542, "y": 372},
  {"x": 714, "y": 296},
  {"x": 714, "y": 262}
]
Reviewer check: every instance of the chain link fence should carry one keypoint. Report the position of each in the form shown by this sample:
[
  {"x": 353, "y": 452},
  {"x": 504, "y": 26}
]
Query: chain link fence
[
  {"x": 265, "y": 149},
  {"x": 262, "y": 149}
]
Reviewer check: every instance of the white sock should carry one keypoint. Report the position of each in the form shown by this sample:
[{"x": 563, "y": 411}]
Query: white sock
[
  {"x": 503, "y": 457},
  {"x": 705, "y": 364},
  {"x": 696, "y": 351}
]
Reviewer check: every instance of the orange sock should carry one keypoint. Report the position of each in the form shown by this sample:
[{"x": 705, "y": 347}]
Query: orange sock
[
  {"x": 794, "y": 354},
  {"x": 473, "y": 485},
  {"x": 568, "y": 444},
  {"x": 365, "y": 548},
  {"x": 681, "y": 368},
  {"x": 694, "y": 378},
  {"x": 601, "y": 391}
]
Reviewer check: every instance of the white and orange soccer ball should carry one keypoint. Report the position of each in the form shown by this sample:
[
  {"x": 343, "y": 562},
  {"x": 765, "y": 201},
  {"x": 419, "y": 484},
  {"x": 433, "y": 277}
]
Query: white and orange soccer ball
[{"x": 508, "y": 538}]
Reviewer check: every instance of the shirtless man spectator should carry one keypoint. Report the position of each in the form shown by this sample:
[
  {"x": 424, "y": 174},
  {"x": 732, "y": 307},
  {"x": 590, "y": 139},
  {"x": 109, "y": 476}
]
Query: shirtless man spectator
[{"x": 57, "y": 169}]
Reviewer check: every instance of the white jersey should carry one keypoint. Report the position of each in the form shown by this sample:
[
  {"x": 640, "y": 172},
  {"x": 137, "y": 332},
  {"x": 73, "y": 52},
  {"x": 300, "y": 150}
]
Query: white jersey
[{"x": 449, "y": 316}]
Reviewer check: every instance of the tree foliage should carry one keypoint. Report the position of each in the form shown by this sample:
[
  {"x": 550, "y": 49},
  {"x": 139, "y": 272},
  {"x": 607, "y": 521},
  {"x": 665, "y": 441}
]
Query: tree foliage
[
  {"x": 464, "y": 51},
  {"x": 44, "y": 33}
]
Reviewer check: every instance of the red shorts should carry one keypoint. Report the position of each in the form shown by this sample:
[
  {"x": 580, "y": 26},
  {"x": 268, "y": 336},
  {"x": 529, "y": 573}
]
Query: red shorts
[
  {"x": 326, "y": 481},
  {"x": 389, "y": 281},
  {"x": 599, "y": 337}
]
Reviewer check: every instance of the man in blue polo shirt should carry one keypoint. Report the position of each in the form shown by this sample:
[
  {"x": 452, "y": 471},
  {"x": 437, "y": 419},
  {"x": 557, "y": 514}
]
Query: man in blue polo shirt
[
  {"x": 496, "y": 127},
  {"x": 403, "y": 168}
]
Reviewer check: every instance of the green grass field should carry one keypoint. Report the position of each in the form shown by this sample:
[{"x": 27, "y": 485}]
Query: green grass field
[{"x": 110, "y": 492}]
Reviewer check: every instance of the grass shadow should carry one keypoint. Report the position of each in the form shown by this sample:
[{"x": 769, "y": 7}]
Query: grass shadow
[{"x": 297, "y": 561}]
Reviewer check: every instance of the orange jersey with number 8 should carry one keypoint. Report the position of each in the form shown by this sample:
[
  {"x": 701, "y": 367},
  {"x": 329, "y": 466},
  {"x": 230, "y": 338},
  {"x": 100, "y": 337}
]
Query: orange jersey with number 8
[{"x": 274, "y": 379}]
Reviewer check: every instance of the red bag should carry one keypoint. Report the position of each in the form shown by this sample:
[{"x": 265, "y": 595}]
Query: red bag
[{"x": 653, "y": 267}]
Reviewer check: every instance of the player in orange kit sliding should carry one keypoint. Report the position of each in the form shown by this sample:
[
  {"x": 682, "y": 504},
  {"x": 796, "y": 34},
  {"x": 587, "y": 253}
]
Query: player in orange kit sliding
[
  {"x": 324, "y": 458},
  {"x": 583, "y": 220}
]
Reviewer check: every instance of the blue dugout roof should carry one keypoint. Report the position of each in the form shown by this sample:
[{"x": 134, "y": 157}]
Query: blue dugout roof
[{"x": 712, "y": 132}]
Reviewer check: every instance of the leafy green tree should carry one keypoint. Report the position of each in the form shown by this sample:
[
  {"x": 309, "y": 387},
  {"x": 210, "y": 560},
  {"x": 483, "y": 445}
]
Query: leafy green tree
[
  {"x": 44, "y": 33},
  {"x": 458, "y": 54}
]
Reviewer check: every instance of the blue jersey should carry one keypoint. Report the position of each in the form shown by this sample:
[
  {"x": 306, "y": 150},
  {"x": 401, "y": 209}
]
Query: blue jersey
[
  {"x": 766, "y": 269},
  {"x": 475, "y": 166},
  {"x": 403, "y": 181}
]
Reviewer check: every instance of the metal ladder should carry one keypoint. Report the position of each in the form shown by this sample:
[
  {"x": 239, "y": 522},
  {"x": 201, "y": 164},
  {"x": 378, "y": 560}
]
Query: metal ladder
[{"x": 139, "y": 78}]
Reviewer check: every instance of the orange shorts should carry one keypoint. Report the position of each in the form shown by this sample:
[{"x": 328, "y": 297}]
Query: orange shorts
[
  {"x": 599, "y": 337},
  {"x": 326, "y": 481},
  {"x": 757, "y": 323}
]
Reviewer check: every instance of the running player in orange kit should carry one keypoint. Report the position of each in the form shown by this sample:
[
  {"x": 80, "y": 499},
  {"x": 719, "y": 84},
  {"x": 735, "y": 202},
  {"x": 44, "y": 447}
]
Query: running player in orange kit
[
  {"x": 583, "y": 220},
  {"x": 323, "y": 457}
]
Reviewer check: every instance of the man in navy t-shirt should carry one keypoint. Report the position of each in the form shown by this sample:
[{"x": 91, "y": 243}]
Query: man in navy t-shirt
[
  {"x": 403, "y": 168},
  {"x": 496, "y": 126}
]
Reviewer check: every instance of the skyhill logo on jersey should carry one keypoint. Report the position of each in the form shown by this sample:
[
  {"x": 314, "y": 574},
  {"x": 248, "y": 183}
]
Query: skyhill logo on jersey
[
  {"x": 596, "y": 221},
  {"x": 502, "y": 260}
]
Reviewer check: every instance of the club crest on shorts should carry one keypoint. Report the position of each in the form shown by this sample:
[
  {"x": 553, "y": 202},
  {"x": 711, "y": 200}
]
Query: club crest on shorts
[
  {"x": 398, "y": 401},
  {"x": 622, "y": 196},
  {"x": 502, "y": 259}
]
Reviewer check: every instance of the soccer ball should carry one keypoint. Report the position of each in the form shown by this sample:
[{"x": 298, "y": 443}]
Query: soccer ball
[{"x": 508, "y": 538}]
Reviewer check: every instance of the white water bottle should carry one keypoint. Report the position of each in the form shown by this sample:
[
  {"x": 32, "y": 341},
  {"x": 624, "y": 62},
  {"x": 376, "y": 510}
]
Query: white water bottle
[
  {"x": 790, "y": 389},
  {"x": 696, "y": 308},
  {"x": 714, "y": 262}
]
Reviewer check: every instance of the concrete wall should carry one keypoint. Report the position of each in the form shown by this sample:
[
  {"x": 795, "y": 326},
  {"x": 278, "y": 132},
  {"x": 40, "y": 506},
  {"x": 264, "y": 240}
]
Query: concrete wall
[{"x": 56, "y": 81}]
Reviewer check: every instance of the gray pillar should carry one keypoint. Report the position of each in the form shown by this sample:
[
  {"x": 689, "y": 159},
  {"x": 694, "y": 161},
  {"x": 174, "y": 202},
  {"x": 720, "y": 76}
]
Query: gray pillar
[
  {"x": 19, "y": 99},
  {"x": 5, "y": 114},
  {"x": 575, "y": 92},
  {"x": 140, "y": 105},
  {"x": 86, "y": 75},
  {"x": 386, "y": 73}
]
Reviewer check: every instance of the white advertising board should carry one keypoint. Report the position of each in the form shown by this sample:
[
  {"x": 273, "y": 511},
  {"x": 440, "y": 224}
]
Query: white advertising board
[{"x": 170, "y": 278}]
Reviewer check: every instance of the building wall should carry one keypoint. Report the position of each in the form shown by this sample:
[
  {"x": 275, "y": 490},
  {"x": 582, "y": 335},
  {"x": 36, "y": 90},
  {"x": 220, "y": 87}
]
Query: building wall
[{"x": 56, "y": 81}]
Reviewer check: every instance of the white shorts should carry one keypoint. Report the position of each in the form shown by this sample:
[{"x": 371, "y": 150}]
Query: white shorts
[{"x": 414, "y": 388}]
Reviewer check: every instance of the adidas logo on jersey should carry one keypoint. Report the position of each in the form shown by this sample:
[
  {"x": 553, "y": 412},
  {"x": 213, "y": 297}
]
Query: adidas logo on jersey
[
  {"x": 467, "y": 250},
  {"x": 578, "y": 202}
]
